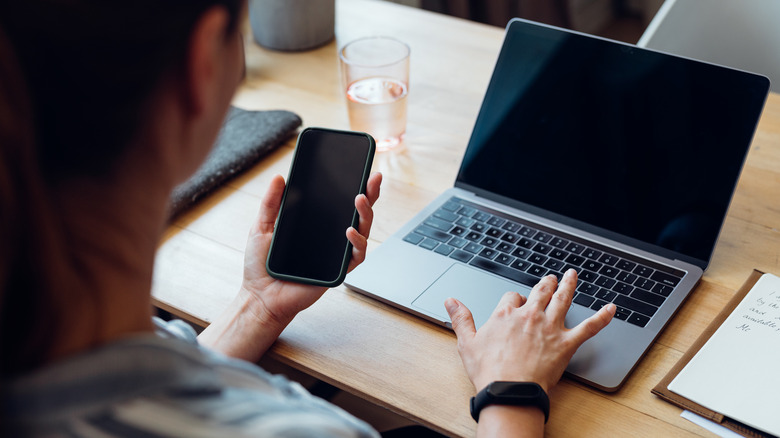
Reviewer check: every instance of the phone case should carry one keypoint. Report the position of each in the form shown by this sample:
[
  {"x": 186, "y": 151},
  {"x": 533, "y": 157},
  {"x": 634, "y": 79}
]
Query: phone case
[{"x": 347, "y": 255}]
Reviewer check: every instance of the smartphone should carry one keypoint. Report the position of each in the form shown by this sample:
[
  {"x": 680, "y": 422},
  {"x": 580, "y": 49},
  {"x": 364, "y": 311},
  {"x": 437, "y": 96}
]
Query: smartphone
[{"x": 329, "y": 169}]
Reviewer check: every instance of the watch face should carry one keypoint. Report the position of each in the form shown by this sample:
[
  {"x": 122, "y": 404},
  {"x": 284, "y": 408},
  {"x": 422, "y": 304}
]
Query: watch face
[{"x": 520, "y": 389}]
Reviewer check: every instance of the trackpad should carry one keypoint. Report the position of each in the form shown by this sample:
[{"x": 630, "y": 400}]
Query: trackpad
[{"x": 479, "y": 291}]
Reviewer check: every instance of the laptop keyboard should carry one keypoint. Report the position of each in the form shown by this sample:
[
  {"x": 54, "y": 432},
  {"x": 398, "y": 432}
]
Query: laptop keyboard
[{"x": 524, "y": 253}]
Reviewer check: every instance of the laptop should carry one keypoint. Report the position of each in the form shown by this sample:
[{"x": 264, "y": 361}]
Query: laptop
[{"x": 588, "y": 153}]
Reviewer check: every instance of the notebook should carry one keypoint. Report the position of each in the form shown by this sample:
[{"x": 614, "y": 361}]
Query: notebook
[{"x": 588, "y": 153}]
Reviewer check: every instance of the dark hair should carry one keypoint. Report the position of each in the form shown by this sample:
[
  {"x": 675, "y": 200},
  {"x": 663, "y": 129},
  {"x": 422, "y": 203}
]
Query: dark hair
[{"x": 76, "y": 77}]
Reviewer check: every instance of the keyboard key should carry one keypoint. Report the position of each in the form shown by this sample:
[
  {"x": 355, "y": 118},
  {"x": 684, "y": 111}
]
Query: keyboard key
[
  {"x": 488, "y": 253},
  {"x": 574, "y": 259},
  {"x": 559, "y": 243},
  {"x": 414, "y": 238},
  {"x": 463, "y": 256},
  {"x": 591, "y": 265},
  {"x": 635, "y": 305},
  {"x": 605, "y": 282},
  {"x": 489, "y": 241},
  {"x": 537, "y": 258},
  {"x": 609, "y": 271},
  {"x": 557, "y": 274},
  {"x": 481, "y": 216},
  {"x": 479, "y": 227},
  {"x": 520, "y": 265},
  {"x": 457, "y": 231},
  {"x": 542, "y": 248},
  {"x": 558, "y": 254},
  {"x": 583, "y": 300},
  {"x": 494, "y": 232},
  {"x": 588, "y": 288},
  {"x": 496, "y": 221},
  {"x": 433, "y": 233},
  {"x": 451, "y": 206},
  {"x": 473, "y": 236},
  {"x": 644, "y": 283},
  {"x": 465, "y": 222},
  {"x": 467, "y": 211},
  {"x": 575, "y": 248},
  {"x": 499, "y": 269},
  {"x": 638, "y": 319},
  {"x": 525, "y": 242},
  {"x": 505, "y": 247},
  {"x": 622, "y": 288},
  {"x": 512, "y": 227},
  {"x": 622, "y": 313},
  {"x": 527, "y": 232},
  {"x": 429, "y": 244},
  {"x": 457, "y": 242},
  {"x": 438, "y": 223},
  {"x": 504, "y": 259},
  {"x": 542, "y": 237},
  {"x": 606, "y": 295},
  {"x": 626, "y": 265},
  {"x": 608, "y": 259},
  {"x": 554, "y": 265},
  {"x": 663, "y": 277},
  {"x": 662, "y": 289},
  {"x": 537, "y": 271},
  {"x": 444, "y": 249},
  {"x": 598, "y": 304},
  {"x": 521, "y": 253},
  {"x": 473, "y": 248},
  {"x": 626, "y": 277},
  {"x": 446, "y": 215},
  {"x": 643, "y": 271},
  {"x": 511, "y": 238},
  {"x": 588, "y": 276},
  {"x": 648, "y": 297},
  {"x": 591, "y": 253}
]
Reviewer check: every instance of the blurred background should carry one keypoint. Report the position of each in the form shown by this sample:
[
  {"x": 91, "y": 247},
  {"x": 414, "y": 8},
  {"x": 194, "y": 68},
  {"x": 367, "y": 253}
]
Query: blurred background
[{"x": 622, "y": 20}]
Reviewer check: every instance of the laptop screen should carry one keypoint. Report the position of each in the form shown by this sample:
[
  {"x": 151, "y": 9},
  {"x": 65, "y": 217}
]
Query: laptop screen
[{"x": 635, "y": 145}]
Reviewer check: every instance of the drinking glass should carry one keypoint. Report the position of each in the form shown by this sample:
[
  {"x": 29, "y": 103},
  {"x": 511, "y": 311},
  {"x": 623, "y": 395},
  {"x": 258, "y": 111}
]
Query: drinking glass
[{"x": 375, "y": 71}]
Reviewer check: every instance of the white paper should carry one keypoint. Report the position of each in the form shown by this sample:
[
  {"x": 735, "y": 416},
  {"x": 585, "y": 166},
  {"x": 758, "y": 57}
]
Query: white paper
[
  {"x": 737, "y": 372},
  {"x": 712, "y": 426}
]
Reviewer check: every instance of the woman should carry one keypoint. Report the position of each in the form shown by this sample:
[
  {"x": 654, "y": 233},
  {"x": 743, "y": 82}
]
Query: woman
[{"x": 104, "y": 108}]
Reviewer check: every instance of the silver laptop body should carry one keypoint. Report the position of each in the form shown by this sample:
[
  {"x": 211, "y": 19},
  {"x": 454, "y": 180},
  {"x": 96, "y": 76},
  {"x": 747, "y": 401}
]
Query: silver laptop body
[{"x": 587, "y": 153}]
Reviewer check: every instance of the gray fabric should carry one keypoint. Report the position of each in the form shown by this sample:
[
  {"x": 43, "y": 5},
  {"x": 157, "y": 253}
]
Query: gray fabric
[
  {"x": 246, "y": 137},
  {"x": 166, "y": 386}
]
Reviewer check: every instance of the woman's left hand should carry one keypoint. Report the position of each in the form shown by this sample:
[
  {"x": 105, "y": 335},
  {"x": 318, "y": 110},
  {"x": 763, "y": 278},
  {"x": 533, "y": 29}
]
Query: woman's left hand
[{"x": 265, "y": 305}]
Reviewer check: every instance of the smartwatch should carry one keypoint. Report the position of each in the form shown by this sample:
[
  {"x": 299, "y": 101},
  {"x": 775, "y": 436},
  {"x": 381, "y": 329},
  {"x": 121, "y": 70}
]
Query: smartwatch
[{"x": 512, "y": 394}]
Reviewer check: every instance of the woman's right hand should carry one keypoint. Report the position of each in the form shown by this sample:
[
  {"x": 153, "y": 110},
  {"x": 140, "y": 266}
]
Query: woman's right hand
[{"x": 524, "y": 340}]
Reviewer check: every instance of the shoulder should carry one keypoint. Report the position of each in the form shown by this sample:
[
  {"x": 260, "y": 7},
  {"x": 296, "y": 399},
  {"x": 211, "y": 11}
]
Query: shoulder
[{"x": 168, "y": 386}]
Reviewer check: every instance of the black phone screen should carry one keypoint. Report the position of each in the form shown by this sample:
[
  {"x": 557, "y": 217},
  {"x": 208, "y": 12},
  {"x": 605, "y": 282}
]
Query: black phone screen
[{"x": 330, "y": 168}]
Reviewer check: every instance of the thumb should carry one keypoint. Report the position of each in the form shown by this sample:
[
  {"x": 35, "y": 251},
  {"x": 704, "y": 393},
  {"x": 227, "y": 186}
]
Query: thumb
[{"x": 462, "y": 320}]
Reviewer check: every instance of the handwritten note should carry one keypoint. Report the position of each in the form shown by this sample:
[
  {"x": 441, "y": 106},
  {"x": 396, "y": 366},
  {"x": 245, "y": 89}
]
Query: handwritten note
[{"x": 737, "y": 372}]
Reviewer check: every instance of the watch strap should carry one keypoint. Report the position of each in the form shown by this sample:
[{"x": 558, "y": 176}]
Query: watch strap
[{"x": 511, "y": 394}]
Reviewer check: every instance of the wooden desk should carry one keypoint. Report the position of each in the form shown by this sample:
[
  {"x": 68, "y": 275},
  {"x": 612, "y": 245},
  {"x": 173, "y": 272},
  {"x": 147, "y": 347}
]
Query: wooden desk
[{"x": 384, "y": 355}]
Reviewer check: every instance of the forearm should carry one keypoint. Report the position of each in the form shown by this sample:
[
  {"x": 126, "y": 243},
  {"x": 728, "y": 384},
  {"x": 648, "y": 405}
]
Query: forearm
[
  {"x": 244, "y": 330},
  {"x": 514, "y": 421}
]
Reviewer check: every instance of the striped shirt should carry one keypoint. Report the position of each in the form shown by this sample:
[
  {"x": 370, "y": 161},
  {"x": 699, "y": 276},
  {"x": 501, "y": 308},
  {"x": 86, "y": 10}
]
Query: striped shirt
[{"x": 165, "y": 385}]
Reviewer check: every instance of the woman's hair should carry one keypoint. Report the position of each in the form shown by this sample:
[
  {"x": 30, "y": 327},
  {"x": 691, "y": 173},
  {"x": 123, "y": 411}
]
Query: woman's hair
[{"x": 76, "y": 81}]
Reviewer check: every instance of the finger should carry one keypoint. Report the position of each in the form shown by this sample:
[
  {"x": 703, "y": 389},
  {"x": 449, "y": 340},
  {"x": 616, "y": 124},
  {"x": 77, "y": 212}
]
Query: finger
[
  {"x": 561, "y": 299},
  {"x": 365, "y": 215},
  {"x": 588, "y": 328},
  {"x": 510, "y": 300},
  {"x": 372, "y": 187},
  {"x": 540, "y": 295},
  {"x": 462, "y": 320},
  {"x": 269, "y": 206},
  {"x": 359, "y": 246}
]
